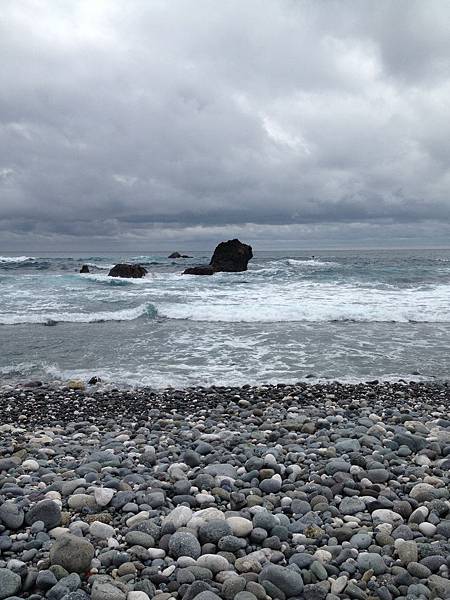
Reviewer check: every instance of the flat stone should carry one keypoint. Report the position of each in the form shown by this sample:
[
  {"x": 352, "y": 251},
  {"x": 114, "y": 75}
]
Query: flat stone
[
  {"x": 351, "y": 505},
  {"x": 371, "y": 561},
  {"x": 106, "y": 591},
  {"x": 100, "y": 530},
  {"x": 46, "y": 511},
  {"x": 103, "y": 496}
]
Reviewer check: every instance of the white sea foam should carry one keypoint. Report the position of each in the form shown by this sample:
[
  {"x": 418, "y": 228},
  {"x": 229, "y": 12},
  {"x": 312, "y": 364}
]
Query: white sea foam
[
  {"x": 143, "y": 377},
  {"x": 314, "y": 303},
  {"x": 98, "y": 266},
  {"x": 311, "y": 262},
  {"x": 15, "y": 259},
  {"x": 128, "y": 314}
]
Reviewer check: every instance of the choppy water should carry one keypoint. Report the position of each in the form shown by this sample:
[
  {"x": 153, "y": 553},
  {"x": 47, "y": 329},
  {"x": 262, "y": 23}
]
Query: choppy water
[{"x": 347, "y": 315}]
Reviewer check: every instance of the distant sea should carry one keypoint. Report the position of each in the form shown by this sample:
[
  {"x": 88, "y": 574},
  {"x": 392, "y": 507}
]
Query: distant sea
[{"x": 347, "y": 315}]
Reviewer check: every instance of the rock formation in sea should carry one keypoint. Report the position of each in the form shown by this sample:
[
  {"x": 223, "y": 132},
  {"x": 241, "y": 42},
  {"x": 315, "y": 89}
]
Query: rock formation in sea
[
  {"x": 231, "y": 256},
  {"x": 124, "y": 270},
  {"x": 178, "y": 255},
  {"x": 84, "y": 269}
]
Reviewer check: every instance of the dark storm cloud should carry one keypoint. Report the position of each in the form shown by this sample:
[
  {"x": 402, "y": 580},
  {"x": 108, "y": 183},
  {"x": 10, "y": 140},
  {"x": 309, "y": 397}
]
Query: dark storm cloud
[{"x": 157, "y": 121}]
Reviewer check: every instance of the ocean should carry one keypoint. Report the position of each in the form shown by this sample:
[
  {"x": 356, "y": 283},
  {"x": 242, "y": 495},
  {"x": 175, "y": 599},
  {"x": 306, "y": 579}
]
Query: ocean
[{"x": 348, "y": 315}]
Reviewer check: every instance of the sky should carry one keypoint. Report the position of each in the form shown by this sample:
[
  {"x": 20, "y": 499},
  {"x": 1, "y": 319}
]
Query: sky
[{"x": 134, "y": 124}]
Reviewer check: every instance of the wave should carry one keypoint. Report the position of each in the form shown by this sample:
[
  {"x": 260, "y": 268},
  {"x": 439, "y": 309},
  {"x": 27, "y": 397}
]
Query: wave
[
  {"x": 114, "y": 281},
  {"x": 139, "y": 376},
  {"x": 311, "y": 262},
  {"x": 16, "y": 259},
  {"x": 97, "y": 266},
  {"x": 316, "y": 303},
  {"x": 128, "y": 314},
  {"x": 232, "y": 314}
]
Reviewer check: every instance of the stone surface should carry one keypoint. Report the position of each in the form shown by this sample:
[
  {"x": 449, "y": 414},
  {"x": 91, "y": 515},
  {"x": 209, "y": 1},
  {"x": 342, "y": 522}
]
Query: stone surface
[
  {"x": 72, "y": 553},
  {"x": 125, "y": 270}
]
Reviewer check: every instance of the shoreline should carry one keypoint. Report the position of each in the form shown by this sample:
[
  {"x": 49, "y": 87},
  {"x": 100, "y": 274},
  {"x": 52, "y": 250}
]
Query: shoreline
[
  {"x": 94, "y": 399},
  {"x": 317, "y": 491}
]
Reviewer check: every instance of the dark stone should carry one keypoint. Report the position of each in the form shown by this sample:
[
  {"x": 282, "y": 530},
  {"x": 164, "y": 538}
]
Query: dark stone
[
  {"x": 124, "y": 270},
  {"x": 231, "y": 256},
  {"x": 206, "y": 270},
  {"x": 84, "y": 269},
  {"x": 46, "y": 511}
]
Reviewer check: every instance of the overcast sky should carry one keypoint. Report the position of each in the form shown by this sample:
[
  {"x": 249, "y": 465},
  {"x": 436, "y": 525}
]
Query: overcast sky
[{"x": 169, "y": 124}]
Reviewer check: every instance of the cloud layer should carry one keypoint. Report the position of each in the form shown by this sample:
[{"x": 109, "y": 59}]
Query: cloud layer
[{"x": 146, "y": 122}]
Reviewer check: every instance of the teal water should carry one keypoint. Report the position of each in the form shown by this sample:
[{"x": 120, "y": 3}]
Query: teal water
[{"x": 350, "y": 315}]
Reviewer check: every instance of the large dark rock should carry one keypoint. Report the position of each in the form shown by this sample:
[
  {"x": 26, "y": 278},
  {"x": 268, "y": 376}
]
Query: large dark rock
[
  {"x": 84, "y": 269},
  {"x": 124, "y": 270},
  {"x": 231, "y": 256},
  {"x": 205, "y": 270}
]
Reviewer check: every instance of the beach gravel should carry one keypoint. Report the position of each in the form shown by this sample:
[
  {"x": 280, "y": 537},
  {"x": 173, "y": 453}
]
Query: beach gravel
[{"x": 322, "y": 491}]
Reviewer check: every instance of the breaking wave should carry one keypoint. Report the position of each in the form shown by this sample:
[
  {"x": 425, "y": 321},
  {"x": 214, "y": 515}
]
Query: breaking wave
[
  {"x": 16, "y": 259},
  {"x": 128, "y": 314}
]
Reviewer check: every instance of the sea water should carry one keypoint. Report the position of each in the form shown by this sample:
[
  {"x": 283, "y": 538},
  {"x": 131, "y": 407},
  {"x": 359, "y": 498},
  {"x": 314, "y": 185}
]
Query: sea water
[{"x": 347, "y": 315}]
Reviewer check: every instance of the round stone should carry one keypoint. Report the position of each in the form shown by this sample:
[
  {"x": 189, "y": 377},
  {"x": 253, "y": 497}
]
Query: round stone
[
  {"x": 287, "y": 580},
  {"x": 271, "y": 485},
  {"x": 10, "y": 583},
  {"x": 428, "y": 529},
  {"x": 351, "y": 505},
  {"x": 240, "y": 527},
  {"x": 183, "y": 543},
  {"x": 423, "y": 492},
  {"x": 11, "y": 515},
  {"x": 212, "y": 531},
  {"x": 73, "y": 553},
  {"x": 214, "y": 562}
]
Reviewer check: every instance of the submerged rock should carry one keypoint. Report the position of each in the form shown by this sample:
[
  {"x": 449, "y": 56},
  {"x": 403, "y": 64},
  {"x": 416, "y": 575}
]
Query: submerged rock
[
  {"x": 206, "y": 270},
  {"x": 125, "y": 270},
  {"x": 178, "y": 255}
]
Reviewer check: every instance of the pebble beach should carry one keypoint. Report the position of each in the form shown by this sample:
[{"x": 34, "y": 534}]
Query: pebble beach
[{"x": 282, "y": 492}]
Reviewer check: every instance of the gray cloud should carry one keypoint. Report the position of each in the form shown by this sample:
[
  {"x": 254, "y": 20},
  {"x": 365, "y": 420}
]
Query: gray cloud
[{"x": 142, "y": 122}]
